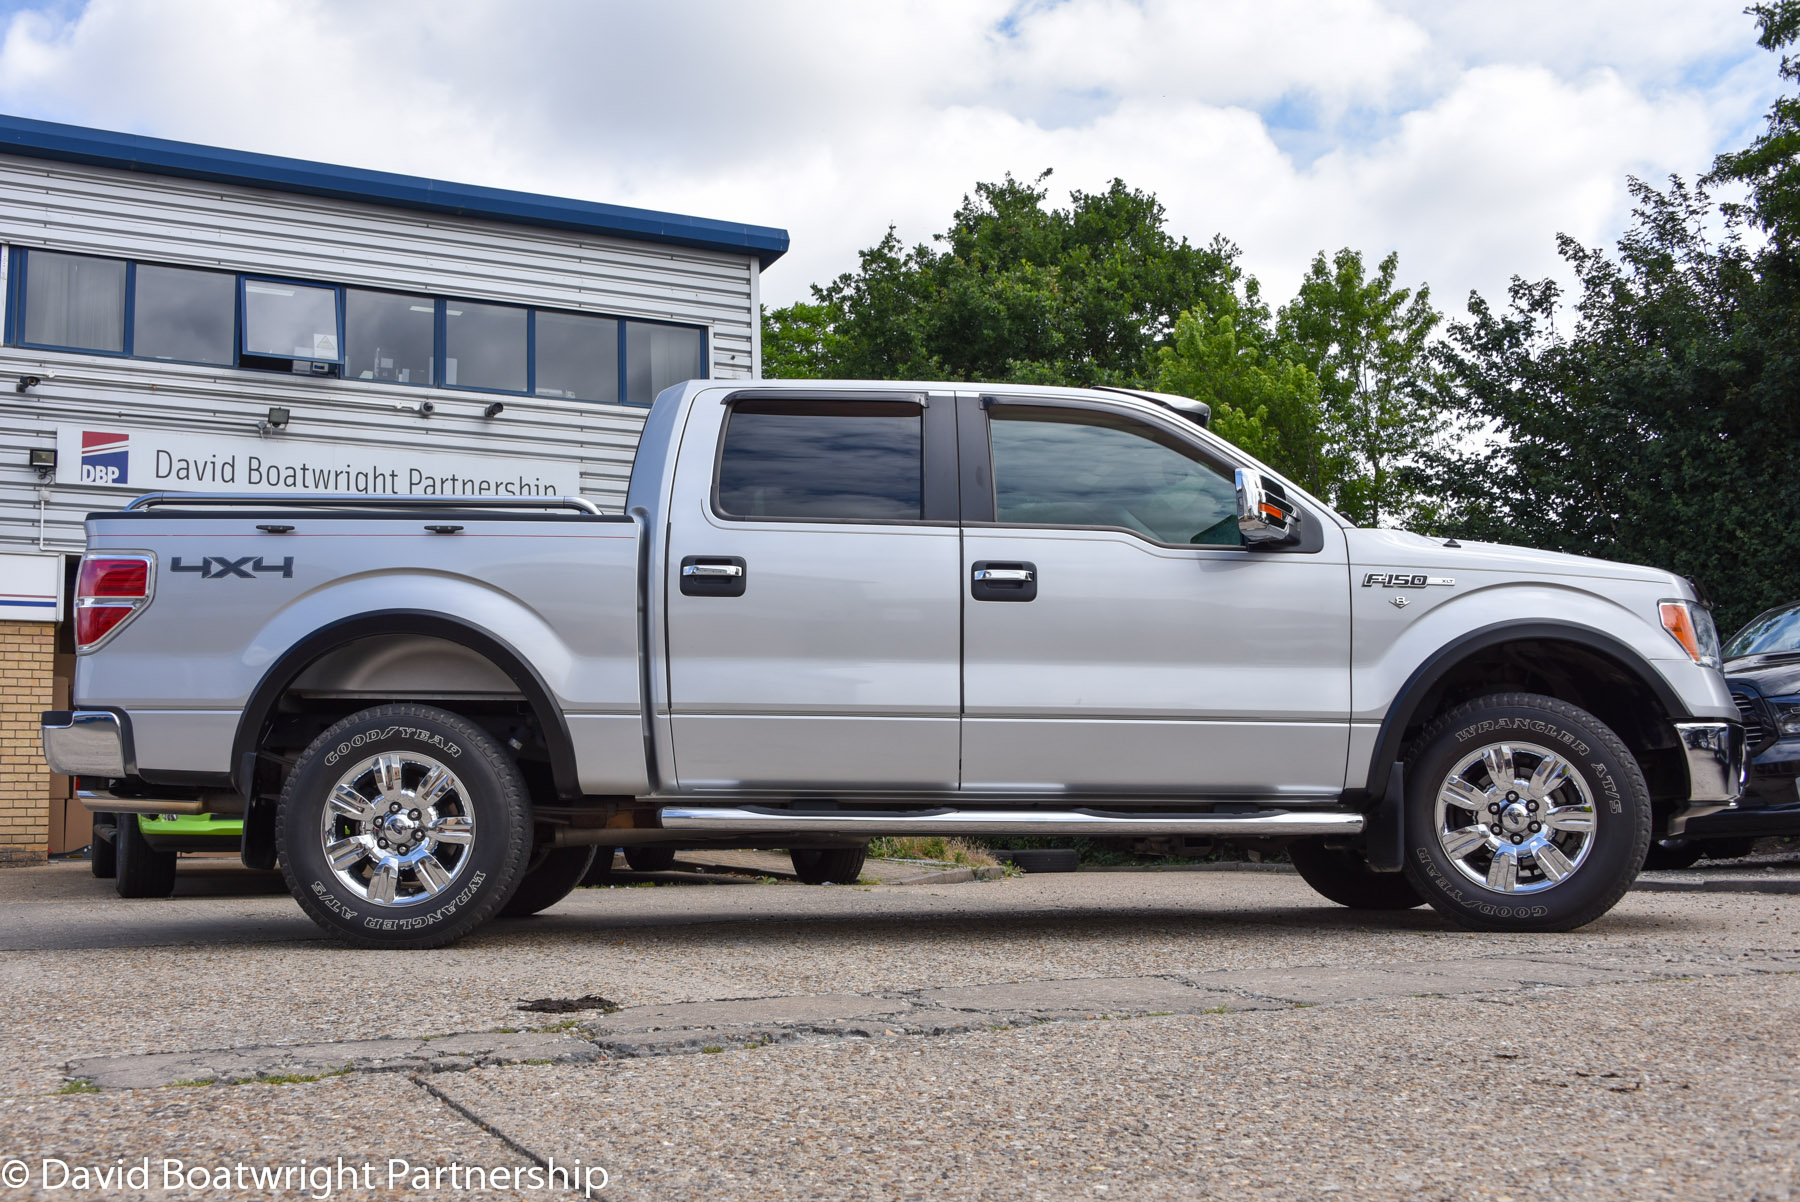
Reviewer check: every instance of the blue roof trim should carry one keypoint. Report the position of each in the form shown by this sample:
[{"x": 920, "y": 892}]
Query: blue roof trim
[{"x": 187, "y": 160}]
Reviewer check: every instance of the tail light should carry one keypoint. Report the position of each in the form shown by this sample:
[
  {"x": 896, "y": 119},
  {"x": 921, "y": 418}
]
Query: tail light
[{"x": 109, "y": 590}]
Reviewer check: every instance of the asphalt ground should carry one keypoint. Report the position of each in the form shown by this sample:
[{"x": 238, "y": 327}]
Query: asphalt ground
[{"x": 1094, "y": 1035}]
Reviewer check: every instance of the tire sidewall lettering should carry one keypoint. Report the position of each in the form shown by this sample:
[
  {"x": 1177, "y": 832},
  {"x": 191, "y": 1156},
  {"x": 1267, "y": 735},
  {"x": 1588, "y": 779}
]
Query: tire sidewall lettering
[
  {"x": 1480, "y": 905},
  {"x": 413, "y": 734},
  {"x": 1592, "y": 766}
]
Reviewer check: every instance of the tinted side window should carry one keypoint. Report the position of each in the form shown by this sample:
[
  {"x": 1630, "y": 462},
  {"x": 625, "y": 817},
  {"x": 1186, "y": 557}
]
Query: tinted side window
[
  {"x": 1075, "y": 467},
  {"x": 822, "y": 461}
]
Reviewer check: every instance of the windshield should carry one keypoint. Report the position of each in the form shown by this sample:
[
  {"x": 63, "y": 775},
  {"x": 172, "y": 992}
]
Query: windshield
[{"x": 1776, "y": 631}]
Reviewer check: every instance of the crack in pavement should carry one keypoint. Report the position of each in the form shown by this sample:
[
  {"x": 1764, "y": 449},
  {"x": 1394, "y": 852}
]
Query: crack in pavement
[{"x": 682, "y": 1027}]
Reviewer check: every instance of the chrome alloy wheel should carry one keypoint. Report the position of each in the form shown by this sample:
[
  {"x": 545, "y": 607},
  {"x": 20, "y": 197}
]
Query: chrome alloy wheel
[
  {"x": 1515, "y": 818},
  {"x": 397, "y": 828}
]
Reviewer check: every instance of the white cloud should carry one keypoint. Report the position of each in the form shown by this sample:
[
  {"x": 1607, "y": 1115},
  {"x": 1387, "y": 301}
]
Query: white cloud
[{"x": 1463, "y": 135}]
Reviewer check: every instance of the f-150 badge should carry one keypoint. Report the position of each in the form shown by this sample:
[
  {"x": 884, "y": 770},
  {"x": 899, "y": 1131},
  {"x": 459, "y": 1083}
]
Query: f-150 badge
[{"x": 1406, "y": 580}]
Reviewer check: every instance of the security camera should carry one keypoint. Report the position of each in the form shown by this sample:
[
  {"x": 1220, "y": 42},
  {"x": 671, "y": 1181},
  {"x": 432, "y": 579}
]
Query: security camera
[
  {"x": 493, "y": 410},
  {"x": 426, "y": 408}
]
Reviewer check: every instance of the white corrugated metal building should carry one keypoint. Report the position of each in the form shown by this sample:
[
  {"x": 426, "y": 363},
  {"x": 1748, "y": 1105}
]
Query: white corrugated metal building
[{"x": 181, "y": 317}]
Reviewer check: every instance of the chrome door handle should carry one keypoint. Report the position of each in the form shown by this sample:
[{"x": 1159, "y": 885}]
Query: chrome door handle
[
  {"x": 713, "y": 576},
  {"x": 1003, "y": 580}
]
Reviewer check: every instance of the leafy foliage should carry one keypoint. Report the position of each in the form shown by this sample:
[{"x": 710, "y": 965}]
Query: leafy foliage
[
  {"x": 1262, "y": 400},
  {"x": 1663, "y": 427},
  {"x": 1368, "y": 342},
  {"x": 1012, "y": 291}
]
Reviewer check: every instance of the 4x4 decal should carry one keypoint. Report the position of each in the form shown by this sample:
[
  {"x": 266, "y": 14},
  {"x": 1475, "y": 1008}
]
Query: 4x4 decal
[{"x": 217, "y": 567}]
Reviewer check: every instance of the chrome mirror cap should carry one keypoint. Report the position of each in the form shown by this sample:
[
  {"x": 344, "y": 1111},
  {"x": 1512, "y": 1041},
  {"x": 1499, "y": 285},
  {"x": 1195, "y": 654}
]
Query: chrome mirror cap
[{"x": 1265, "y": 516}]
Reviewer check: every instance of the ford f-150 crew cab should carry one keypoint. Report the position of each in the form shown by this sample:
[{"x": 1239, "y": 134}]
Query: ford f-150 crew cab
[{"x": 834, "y": 611}]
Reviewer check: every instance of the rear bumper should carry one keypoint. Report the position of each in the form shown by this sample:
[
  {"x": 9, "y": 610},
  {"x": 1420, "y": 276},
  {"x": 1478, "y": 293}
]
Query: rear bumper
[
  {"x": 87, "y": 742},
  {"x": 1717, "y": 761}
]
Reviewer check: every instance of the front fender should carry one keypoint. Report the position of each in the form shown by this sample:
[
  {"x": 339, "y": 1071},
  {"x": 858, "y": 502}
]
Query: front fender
[{"x": 1399, "y": 653}]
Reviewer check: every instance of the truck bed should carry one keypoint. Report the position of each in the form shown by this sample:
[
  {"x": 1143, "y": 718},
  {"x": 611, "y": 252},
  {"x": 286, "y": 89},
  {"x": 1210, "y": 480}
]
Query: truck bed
[{"x": 241, "y": 589}]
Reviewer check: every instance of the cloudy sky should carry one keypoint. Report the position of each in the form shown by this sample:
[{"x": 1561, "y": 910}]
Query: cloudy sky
[{"x": 1463, "y": 135}]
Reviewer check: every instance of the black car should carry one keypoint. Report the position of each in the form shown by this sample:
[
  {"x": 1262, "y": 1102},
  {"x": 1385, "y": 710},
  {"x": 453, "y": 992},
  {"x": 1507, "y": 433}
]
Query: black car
[{"x": 1762, "y": 666}]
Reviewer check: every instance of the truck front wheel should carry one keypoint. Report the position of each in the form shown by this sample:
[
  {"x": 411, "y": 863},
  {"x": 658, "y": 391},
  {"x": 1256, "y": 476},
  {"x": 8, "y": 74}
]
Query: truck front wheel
[
  {"x": 1523, "y": 813},
  {"x": 828, "y": 865},
  {"x": 403, "y": 826},
  {"x": 141, "y": 870}
]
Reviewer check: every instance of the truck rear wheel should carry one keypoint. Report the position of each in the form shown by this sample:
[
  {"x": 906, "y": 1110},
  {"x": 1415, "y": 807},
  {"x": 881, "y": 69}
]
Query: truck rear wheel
[
  {"x": 549, "y": 880},
  {"x": 142, "y": 870},
  {"x": 1344, "y": 876},
  {"x": 403, "y": 826},
  {"x": 1523, "y": 813}
]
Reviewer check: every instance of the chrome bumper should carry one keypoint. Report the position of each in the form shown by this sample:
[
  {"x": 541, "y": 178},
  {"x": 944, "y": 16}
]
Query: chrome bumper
[
  {"x": 1716, "y": 760},
  {"x": 86, "y": 743},
  {"x": 1718, "y": 764}
]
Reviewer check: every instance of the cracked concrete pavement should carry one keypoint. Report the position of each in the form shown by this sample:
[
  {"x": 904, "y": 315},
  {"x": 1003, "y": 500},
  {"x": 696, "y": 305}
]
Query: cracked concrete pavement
[{"x": 1094, "y": 1035}]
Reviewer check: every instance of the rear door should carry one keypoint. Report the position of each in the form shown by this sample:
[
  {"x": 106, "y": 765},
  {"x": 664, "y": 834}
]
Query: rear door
[
  {"x": 813, "y": 604},
  {"x": 1117, "y": 635}
]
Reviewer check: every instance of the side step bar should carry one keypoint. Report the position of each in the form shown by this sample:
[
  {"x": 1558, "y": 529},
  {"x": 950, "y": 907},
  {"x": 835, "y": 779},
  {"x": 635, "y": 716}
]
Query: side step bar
[{"x": 719, "y": 820}]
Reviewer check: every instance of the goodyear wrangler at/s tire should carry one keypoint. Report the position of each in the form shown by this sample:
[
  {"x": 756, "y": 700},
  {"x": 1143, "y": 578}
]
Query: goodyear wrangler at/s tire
[
  {"x": 1523, "y": 813},
  {"x": 403, "y": 826}
]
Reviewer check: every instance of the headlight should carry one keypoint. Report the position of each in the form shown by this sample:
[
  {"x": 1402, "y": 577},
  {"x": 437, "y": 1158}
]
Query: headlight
[
  {"x": 1692, "y": 626},
  {"x": 1787, "y": 715}
]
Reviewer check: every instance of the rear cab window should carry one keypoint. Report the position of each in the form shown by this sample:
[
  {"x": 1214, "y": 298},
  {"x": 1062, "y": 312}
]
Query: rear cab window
[{"x": 822, "y": 461}]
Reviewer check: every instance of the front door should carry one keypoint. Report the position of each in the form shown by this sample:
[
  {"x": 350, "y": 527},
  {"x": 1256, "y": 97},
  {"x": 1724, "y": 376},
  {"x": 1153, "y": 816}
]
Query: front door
[
  {"x": 1119, "y": 638},
  {"x": 813, "y": 610}
]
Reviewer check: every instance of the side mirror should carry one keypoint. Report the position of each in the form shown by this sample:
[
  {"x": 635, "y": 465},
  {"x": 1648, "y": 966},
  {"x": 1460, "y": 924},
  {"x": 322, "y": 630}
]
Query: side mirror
[{"x": 1266, "y": 518}]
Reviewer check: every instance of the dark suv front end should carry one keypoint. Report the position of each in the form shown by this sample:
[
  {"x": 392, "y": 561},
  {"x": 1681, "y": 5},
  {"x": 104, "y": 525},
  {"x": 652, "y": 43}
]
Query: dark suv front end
[{"x": 1762, "y": 668}]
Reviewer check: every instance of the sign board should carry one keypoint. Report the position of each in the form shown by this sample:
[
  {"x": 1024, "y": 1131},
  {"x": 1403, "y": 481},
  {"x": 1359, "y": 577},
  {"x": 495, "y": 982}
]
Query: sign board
[
  {"x": 31, "y": 587},
  {"x": 144, "y": 461}
]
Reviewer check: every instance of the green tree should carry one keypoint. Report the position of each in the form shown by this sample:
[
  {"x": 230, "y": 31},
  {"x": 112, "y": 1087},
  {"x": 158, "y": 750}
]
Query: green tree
[
  {"x": 1262, "y": 400},
  {"x": 1369, "y": 344},
  {"x": 797, "y": 341},
  {"x": 1014, "y": 290}
]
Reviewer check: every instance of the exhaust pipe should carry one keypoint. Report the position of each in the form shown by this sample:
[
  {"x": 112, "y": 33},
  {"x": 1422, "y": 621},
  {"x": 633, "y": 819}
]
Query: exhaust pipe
[{"x": 718, "y": 820}]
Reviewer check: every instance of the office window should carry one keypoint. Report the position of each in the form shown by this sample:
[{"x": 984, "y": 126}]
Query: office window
[
  {"x": 74, "y": 301},
  {"x": 484, "y": 346},
  {"x": 577, "y": 356},
  {"x": 658, "y": 356},
  {"x": 183, "y": 315},
  {"x": 389, "y": 337},
  {"x": 290, "y": 321},
  {"x": 823, "y": 461}
]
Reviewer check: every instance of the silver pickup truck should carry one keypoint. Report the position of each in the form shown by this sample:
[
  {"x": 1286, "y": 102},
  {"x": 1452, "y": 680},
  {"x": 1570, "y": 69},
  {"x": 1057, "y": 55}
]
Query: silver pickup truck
[{"x": 839, "y": 610}]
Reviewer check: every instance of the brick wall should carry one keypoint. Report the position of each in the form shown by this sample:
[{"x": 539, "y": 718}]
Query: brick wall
[{"x": 27, "y": 659}]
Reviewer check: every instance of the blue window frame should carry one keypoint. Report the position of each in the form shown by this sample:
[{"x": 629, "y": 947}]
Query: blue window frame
[{"x": 91, "y": 305}]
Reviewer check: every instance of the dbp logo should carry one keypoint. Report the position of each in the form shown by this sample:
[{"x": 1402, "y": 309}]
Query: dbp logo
[{"x": 104, "y": 458}]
